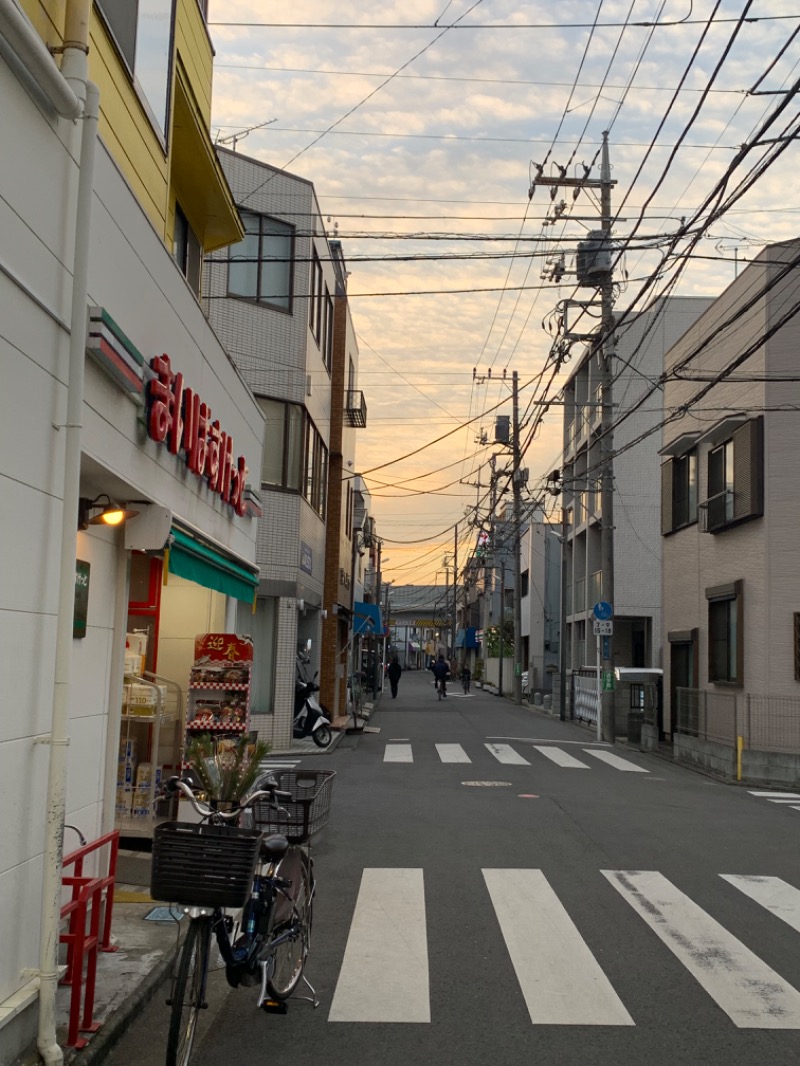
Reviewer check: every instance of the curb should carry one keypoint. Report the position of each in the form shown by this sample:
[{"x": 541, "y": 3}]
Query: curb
[{"x": 118, "y": 1022}]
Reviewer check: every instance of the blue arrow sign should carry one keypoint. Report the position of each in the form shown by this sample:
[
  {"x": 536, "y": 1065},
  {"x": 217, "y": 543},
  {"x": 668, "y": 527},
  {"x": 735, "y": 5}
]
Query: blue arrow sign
[{"x": 603, "y": 611}]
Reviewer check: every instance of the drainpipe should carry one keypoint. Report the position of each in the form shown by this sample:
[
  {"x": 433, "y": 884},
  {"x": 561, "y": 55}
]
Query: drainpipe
[
  {"x": 75, "y": 73},
  {"x": 31, "y": 50}
]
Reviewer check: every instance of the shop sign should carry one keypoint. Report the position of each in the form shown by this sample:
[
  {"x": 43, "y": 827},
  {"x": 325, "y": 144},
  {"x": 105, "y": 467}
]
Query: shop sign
[
  {"x": 81, "y": 612},
  {"x": 306, "y": 558},
  {"x": 177, "y": 417},
  {"x": 223, "y": 647}
]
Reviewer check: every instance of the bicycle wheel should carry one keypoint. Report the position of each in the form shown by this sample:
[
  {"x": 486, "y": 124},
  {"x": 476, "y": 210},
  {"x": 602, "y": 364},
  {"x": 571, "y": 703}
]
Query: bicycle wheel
[
  {"x": 289, "y": 958},
  {"x": 188, "y": 992}
]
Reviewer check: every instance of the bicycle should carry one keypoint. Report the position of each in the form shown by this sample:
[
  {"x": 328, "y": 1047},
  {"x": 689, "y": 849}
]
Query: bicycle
[
  {"x": 263, "y": 871},
  {"x": 466, "y": 677},
  {"x": 440, "y": 687}
]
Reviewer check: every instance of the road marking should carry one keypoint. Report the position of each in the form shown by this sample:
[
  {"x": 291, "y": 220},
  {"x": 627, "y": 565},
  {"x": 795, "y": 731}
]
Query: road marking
[
  {"x": 452, "y": 753},
  {"x": 398, "y": 753},
  {"x": 777, "y": 795},
  {"x": 504, "y": 753},
  {"x": 560, "y": 979},
  {"x": 752, "y": 994},
  {"x": 384, "y": 975},
  {"x": 562, "y": 758},
  {"x": 778, "y": 897},
  {"x": 616, "y": 761}
]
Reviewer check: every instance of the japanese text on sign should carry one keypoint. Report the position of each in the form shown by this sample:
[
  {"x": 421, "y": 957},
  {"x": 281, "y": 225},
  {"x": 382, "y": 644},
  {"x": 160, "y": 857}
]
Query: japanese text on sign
[{"x": 177, "y": 417}]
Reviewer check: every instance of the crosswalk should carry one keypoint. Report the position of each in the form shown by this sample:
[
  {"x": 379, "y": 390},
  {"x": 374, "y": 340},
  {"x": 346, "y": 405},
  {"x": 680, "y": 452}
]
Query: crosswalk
[
  {"x": 385, "y": 971},
  {"x": 397, "y": 751},
  {"x": 783, "y": 799}
]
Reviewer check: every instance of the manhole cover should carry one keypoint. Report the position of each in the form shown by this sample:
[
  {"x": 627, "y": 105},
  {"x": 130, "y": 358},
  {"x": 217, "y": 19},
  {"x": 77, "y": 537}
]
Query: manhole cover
[{"x": 487, "y": 784}]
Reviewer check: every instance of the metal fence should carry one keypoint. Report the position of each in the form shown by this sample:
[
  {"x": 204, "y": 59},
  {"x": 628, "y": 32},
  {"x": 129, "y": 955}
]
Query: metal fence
[
  {"x": 585, "y": 698},
  {"x": 767, "y": 723}
]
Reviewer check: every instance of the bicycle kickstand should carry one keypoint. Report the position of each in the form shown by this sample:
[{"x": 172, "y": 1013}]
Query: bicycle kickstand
[{"x": 313, "y": 999}]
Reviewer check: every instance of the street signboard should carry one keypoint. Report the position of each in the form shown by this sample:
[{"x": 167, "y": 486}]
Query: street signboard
[
  {"x": 603, "y": 611},
  {"x": 602, "y": 629},
  {"x": 608, "y": 681}
]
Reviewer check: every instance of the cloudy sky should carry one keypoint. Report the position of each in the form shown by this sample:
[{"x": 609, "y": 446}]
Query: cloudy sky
[{"x": 420, "y": 125}]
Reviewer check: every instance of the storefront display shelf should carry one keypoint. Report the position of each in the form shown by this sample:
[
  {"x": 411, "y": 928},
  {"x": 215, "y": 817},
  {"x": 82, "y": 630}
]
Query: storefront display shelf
[
  {"x": 219, "y": 686},
  {"x": 209, "y": 726}
]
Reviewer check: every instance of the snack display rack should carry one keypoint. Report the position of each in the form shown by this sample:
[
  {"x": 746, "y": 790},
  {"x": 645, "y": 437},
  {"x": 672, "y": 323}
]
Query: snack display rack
[{"x": 219, "y": 685}]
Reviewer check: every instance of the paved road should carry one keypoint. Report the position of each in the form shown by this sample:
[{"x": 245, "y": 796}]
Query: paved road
[{"x": 496, "y": 887}]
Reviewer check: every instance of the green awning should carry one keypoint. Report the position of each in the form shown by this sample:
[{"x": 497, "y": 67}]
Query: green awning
[{"x": 197, "y": 561}]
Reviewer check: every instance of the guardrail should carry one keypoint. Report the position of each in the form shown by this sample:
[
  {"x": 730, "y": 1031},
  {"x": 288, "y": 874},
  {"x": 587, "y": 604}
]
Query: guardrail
[{"x": 92, "y": 899}]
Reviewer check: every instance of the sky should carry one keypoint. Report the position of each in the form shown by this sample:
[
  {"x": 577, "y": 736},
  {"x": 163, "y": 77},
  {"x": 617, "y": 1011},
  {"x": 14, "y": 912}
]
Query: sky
[{"x": 421, "y": 125}]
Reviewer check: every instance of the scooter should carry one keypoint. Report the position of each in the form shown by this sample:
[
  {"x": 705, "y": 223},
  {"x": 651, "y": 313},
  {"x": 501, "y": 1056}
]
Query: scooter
[{"x": 309, "y": 718}]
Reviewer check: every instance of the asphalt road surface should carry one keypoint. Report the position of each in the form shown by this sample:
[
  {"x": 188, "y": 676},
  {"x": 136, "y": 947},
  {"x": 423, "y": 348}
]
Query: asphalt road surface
[{"x": 496, "y": 887}]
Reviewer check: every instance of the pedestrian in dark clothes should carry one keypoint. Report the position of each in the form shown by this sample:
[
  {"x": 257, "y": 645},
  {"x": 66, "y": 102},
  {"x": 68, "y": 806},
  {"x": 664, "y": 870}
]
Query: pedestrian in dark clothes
[{"x": 394, "y": 672}]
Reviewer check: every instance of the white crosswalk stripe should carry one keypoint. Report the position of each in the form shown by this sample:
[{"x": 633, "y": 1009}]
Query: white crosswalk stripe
[
  {"x": 778, "y": 897},
  {"x": 752, "y": 994},
  {"x": 398, "y": 753},
  {"x": 452, "y": 753},
  {"x": 616, "y": 761},
  {"x": 560, "y": 979},
  {"x": 384, "y": 975},
  {"x": 505, "y": 754},
  {"x": 561, "y": 757},
  {"x": 385, "y": 971}
]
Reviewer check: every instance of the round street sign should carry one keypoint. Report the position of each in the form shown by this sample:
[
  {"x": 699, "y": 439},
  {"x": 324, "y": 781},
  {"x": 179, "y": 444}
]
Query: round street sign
[{"x": 602, "y": 611}]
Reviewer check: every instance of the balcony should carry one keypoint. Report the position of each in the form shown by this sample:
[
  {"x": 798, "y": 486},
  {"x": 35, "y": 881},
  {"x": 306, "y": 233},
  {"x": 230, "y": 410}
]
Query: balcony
[
  {"x": 579, "y": 598},
  {"x": 595, "y": 587},
  {"x": 716, "y": 512},
  {"x": 355, "y": 408}
]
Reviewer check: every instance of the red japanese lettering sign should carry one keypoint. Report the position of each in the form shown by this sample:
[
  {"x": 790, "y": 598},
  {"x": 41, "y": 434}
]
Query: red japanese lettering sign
[
  {"x": 223, "y": 647},
  {"x": 177, "y": 417}
]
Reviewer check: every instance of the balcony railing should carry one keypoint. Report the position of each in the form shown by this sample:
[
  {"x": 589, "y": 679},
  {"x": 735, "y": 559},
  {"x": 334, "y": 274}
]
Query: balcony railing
[
  {"x": 579, "y": 599},
  {"x": 355, "y": 408},
  {"x": 716, "y": 512}
]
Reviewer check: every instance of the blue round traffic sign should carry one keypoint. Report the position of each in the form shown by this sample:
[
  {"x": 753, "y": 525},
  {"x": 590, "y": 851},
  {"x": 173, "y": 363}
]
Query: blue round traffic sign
[{"x": 602, "y": 611}]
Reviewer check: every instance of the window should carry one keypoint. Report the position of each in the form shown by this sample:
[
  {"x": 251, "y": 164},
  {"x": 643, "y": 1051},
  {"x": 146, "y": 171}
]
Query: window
[
  {"x": 735, "y": 478},
  {"x": 679, "y": 492},
  {"x": 316, "y": 466},
  {"x": 326, "y": 345},
  {"x": 524, "y": 579},
  {"x": 315, "y": 297},
  {"x": 260, "y": 266},
  {"x": 187, "y": 250},
  {"x": 725, "y": 636},
  {"x": 282, "y": 454},
  {"x": 142, "y": 33}
]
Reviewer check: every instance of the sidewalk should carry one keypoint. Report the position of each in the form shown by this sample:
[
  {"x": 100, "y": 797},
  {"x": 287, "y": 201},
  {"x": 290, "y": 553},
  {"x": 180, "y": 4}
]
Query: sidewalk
[{"x": 128, "y": 978}]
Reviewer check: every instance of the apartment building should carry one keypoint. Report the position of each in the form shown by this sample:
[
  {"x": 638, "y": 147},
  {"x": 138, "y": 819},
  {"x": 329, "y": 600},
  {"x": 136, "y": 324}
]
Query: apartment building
[{"x": 730, "y": 482}]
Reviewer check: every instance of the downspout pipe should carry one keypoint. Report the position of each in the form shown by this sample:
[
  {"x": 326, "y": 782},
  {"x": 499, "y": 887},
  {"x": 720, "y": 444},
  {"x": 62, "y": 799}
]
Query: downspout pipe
[
  {"x": 75, "y": 76},
  {"x": 33, "y": 53}
]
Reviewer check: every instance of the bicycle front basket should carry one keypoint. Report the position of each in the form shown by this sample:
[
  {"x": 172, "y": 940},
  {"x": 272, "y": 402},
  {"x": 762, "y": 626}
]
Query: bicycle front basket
[
  {"x": 306, "y": 812},
  {"x": 203, "y": 865}
]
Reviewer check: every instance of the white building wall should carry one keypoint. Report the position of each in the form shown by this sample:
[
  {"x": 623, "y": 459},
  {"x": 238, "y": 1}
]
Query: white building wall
[{"x": 135, "y": 279}]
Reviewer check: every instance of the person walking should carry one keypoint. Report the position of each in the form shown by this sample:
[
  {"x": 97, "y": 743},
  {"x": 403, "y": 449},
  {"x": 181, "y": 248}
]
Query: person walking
[
  {"x": 393, "y": 673},
  {"x": 440, "y": 672}
]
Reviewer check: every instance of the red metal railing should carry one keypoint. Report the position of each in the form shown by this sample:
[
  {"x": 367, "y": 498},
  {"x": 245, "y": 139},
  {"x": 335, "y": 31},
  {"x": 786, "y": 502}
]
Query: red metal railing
[{"x": 92, "y": 899}]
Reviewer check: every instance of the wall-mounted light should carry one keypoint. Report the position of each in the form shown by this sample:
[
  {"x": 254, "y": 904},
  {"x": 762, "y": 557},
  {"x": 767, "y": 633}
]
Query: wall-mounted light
[{"x": 97, "y": 513}]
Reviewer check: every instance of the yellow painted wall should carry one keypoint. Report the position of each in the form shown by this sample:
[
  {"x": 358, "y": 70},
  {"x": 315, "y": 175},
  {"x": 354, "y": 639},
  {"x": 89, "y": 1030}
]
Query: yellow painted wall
[{"x": 125, "y": 128}]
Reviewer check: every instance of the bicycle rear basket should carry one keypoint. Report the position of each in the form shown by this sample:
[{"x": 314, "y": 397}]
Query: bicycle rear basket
[
  {"x": 203, "y": 865},
  {"x": 308, "y": 809}
]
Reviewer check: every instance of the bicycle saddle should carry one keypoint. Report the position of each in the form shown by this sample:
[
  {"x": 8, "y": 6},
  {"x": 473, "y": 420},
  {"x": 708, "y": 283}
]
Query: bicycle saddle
[{"x": 273, "y": 847}]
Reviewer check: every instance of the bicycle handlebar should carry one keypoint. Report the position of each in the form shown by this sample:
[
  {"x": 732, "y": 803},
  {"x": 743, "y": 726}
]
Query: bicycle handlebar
[{"x": 175, "y": 784}]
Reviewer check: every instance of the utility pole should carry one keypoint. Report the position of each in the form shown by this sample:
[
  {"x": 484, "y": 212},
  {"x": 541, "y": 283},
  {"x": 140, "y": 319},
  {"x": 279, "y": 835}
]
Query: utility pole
[
  {"x": 516, "y": 485},
  {"x": 597, "y": 273},
  {"x": 488, "y": 565},
  {"x": 562, "y": 635},
  {"x": 607, "y": 444},
  {"x": 455, "y": 587}
]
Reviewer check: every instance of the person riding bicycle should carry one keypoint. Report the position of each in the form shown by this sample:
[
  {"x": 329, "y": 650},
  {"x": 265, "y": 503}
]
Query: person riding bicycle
[
  {"x": 440, "y": 672},
  {"x": 466, "y": 677}
]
